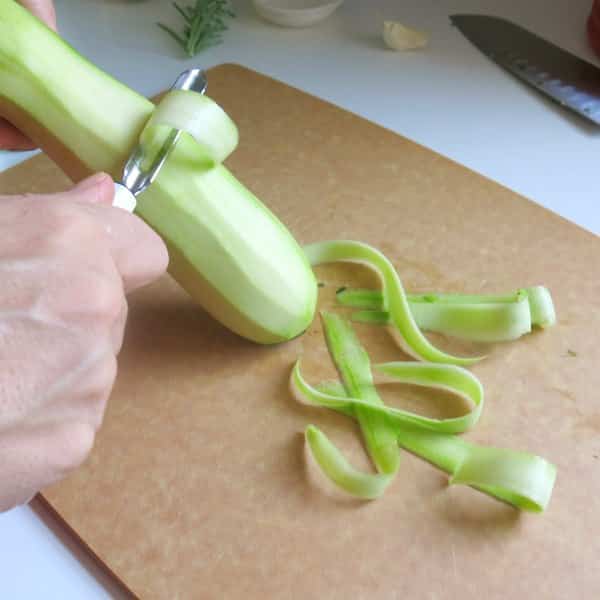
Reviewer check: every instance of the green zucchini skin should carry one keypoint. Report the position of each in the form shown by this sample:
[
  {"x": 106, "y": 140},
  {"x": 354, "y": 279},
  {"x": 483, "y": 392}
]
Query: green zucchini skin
[{"x": 232, "y": 254}]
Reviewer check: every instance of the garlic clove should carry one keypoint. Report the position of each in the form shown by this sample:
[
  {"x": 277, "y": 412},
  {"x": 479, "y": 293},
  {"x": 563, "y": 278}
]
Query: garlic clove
[{"x": 400, "y": 37}]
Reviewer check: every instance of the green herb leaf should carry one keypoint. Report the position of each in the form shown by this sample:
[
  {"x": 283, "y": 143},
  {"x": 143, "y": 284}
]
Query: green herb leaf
[{"x": 205, "y": 21}]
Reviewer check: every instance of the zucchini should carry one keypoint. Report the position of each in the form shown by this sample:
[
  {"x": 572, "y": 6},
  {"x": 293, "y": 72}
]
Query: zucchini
[{"x": 230, "y": 253}]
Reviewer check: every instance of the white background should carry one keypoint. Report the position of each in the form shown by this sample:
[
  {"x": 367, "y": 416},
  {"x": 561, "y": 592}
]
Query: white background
[{"x": 447, "y": 97}]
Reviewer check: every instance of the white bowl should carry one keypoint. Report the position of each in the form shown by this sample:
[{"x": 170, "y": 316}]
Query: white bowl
[{"x": 295, "y": 13}]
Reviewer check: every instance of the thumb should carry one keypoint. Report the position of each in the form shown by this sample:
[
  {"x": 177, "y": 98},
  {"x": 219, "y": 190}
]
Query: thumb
[
  {"x": 97, "y": 189},
  {"x": 43, "y": 9}
]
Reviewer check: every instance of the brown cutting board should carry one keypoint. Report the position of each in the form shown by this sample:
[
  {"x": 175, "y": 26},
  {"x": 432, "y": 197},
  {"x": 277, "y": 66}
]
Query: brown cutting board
[{"x": 197, "y": 485}]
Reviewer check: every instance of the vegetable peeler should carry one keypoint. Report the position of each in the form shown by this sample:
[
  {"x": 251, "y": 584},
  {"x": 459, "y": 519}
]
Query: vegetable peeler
[{"x": 136, "y": 178}]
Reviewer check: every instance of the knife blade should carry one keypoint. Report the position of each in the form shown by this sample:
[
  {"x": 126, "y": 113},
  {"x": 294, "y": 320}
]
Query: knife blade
[{"x": 556, "y": 73}]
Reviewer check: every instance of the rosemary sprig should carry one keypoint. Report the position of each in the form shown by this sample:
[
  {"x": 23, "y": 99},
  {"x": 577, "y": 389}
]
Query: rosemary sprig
[{"x": 204, "y": 24}]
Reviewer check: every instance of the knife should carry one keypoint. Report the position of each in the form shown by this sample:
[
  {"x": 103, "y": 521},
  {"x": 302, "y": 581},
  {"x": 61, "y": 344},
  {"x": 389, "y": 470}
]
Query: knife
[{"x": 560, "y": 75}]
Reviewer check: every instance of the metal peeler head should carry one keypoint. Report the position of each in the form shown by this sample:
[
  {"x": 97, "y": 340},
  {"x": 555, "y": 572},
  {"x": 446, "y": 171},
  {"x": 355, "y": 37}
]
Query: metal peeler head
[
  {"x": 136, "y": 178},
  {"x": 193, "y": 80}
]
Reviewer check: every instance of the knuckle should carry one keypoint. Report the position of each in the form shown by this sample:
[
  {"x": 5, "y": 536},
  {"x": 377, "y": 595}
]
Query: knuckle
[
  {"x": 101, "y": 297},
  {"x": 77, "y": 443},
  {"x": 118, "y": 331},
  {"x": 100, "y": 383},
  {"x": 103, "y": 377}
]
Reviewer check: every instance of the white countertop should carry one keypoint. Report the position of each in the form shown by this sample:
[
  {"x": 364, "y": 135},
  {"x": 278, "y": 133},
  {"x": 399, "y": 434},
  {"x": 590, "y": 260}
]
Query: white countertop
[{"x": 447, "y": 97}]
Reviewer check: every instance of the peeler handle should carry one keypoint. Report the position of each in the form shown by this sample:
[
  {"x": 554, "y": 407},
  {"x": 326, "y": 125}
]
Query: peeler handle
[{"x": 124, "y": 198}]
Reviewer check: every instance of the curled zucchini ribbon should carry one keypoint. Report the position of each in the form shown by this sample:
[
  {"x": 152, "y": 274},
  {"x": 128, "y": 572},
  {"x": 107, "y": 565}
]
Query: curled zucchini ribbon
[
  {"x": 198, "y": 116},
  {"x": 519, "y": 478},
  {"x": 482, "y": 318},
  {"x": 395, "y": 302}
]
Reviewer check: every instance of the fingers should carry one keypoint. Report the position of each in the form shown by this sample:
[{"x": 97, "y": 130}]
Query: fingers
[
  {"x": 139, "y": 253},
  {"x": 43, "y": 9},
  {"x": 82, "y": 224}
]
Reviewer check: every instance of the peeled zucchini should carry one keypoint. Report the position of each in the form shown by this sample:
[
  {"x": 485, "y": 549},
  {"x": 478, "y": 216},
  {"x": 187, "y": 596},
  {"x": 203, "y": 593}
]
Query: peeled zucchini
[{"x": 231, "y": 254}]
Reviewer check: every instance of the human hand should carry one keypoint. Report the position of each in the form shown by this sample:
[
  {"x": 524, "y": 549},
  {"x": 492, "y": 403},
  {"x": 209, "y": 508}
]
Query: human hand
[
  {"x": 10, "y": 137},
  {"x": 66, "y": 262}
]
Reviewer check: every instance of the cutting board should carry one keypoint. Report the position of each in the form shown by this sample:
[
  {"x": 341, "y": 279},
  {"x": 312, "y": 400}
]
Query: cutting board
[{"x": 198, "y": 486}]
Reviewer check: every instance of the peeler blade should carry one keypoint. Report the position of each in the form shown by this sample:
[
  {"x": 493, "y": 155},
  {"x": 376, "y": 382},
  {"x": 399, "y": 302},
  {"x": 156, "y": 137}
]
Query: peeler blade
[{"x": 136, "y": 178}]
